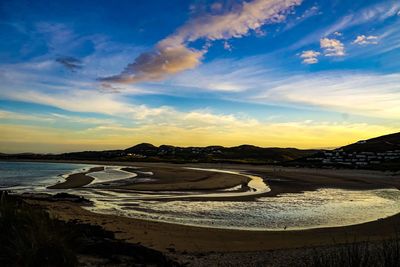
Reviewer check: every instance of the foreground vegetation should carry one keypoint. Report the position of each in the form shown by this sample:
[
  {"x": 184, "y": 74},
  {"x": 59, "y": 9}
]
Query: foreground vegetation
[
  {"x": 385, "y": 254},
  {"x": 29, "y": 236}
]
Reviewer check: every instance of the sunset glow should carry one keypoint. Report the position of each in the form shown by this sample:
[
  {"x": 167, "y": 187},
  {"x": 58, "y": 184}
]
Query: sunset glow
[{"x": 272, "y": 73}]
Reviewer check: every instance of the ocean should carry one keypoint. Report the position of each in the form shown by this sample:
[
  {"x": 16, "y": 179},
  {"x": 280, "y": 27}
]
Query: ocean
[{"x": 34, "y": 175}]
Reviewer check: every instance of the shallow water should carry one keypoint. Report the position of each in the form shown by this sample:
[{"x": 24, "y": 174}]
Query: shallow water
[
  {"x": 36, "y": 175},
  {"x": 321, "y": 208},
  {"x": 110, "y": 174}
]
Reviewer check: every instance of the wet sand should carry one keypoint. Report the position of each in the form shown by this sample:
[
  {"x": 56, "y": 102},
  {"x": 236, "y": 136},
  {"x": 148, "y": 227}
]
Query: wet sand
[
  {"x": 178, "y": 178},
  {"x": 77, "y": 179},
  {"x": 163, "y": 178}
]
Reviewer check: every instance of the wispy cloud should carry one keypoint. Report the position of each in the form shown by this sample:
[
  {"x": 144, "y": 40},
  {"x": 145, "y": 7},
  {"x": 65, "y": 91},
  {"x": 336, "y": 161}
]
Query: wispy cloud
[
  {"x": 17, "y": 116},
  {"x": 308, "y": 13},
  {"x": 366, "y": 40},
  {"x": 109, "y": 89},
  {"x": 310, "y": 56},
  {"x": 332, "y": 47},
  {"x": 89, "y": 101},
  {"x": 71, "y": 63},
  {"x": 72, "y": 100},
  {"x": 227, "y": 46},
  {"x": 58, "y": 35},
  {"x": 375, "y": 13},
  {"x": 51, "y": 118},
  {"x": 172, "y": 54},
  {"x": 227, "y": 75},
  {"x": 366, "y": 94}
]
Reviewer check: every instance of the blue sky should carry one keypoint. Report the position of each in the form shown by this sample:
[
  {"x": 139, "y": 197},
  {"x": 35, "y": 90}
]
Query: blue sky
[{"x": 84, "y": 75}]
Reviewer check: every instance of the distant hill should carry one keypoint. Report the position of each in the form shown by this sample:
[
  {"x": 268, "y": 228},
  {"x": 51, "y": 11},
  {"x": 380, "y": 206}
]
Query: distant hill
[
  {"x": 243, "y": 153},
  {"x": 143, "y": 149},
  {"x": 167, "y": 153},
  {"x": 382, "y": 153},
  {"x": 377, "y": 153},
  {"x": 377, "y": 144}
]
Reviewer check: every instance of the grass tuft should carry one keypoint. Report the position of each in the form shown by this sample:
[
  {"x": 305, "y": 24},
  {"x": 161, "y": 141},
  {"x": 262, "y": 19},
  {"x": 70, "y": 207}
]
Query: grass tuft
[
  {"x": 358, "y": 254},
  {"x": 29, "y": 237}
]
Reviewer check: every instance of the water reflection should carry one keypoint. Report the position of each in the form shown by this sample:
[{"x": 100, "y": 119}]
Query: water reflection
[
  {"x": 110, "y": 174},
  {"x": 321, "y": 208}
]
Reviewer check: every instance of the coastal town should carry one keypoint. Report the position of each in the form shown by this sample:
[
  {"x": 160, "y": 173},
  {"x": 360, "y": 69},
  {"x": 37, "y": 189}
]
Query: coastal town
[{"x": 354, "y": 159}]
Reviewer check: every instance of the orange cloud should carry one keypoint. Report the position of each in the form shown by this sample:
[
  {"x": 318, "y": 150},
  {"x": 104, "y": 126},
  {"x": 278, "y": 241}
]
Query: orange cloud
[{"x": 172, "y": 54}]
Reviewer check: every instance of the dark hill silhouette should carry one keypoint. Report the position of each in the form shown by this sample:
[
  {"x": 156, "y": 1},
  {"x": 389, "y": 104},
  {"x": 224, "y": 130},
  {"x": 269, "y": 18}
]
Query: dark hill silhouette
[
  {"x": 141, "y": 147},
  {"x": 243, "y": 153},
  {"x": 377, "y": 144},
  {"x": 380, "y": 153},
  {"x": 169, "y": 153}
]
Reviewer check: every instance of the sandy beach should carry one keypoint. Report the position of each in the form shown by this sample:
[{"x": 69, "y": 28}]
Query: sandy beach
[
  {"x": 168, "y": 178},
  {"x": 161, "y": 236},
  {"x": 186, "y": 242}
]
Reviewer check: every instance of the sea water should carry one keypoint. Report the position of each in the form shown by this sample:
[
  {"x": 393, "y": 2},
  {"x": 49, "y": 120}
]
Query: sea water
[{"x": 34, "y": 175}]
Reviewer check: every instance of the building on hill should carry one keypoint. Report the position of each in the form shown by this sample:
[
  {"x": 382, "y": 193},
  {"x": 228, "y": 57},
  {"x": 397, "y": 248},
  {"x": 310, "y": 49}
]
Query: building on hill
[{"x": 354, "y": 159}]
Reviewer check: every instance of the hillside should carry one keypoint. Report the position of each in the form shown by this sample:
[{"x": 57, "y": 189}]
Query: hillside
[
  {"x": 243, "y": 153},
  {"x": 381, "y": 153},
  {"x": 167, "y": 153},
  {"x": 378, "y": 144}
]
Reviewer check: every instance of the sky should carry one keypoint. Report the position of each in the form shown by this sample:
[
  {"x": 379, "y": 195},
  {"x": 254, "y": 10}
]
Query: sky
[{"x": 94, "y": 75}]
